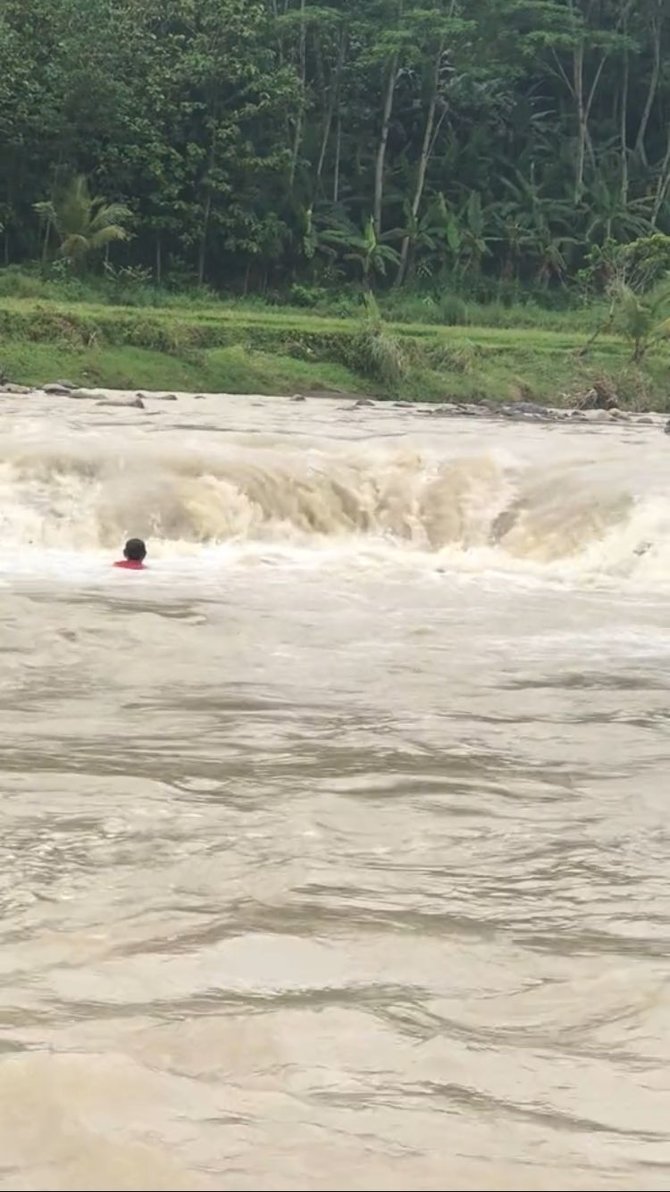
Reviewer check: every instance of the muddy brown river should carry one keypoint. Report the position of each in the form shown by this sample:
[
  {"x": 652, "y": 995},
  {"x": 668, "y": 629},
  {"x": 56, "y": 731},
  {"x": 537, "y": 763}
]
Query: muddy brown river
[{"x": 335, "y": 846}]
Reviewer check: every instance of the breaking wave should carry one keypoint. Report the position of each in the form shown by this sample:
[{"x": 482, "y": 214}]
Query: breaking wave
[{"x": 82, "y": 496}]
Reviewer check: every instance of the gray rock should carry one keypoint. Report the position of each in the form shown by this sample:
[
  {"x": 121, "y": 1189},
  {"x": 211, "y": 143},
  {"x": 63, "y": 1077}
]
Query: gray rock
[
  {"x": 133, "y": 403},
  {"x": 157, "y": 396},
  {"x": 530, "y": 408},
  {"x": 84, "y": 394},
  {"x": 298, "y": 397},
  {"x": 618, "y": 415},
  {"x": 198, "y": 396},
  {"x": 11, "y": 387},
  {"x": 66, "y": 384},
  {"x": 362, "y": 401},
  {"x": 666, "y": 428},
  {"x": 55, "y": 389},
  {"x": 525, "y": 412},
  {"x": 645, "y": 419},
  {"x": 597, "y": 416}
]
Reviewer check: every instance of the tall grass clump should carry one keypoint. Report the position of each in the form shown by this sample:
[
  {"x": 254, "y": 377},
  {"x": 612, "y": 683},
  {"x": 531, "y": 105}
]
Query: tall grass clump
[{"x": 379, "y": 354}]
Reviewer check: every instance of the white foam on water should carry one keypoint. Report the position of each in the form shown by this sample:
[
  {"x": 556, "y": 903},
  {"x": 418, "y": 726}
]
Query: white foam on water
[{"x": 66, "y": 505}]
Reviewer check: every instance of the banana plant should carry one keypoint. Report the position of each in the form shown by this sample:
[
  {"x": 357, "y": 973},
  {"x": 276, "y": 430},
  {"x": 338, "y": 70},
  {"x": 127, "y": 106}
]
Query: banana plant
[
  {"x": 607, "y": 217},
  {"x": 425, "y": 235},
  {"x": 466, "y": 234},
  {"x": 535, "y": 229},
  {"x": 474, "y": 240},
  {"x": 364, "y": 248}
]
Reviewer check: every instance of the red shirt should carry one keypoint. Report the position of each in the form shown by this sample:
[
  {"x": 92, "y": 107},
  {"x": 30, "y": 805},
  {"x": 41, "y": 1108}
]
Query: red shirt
[{"x": 130, "y": 564}]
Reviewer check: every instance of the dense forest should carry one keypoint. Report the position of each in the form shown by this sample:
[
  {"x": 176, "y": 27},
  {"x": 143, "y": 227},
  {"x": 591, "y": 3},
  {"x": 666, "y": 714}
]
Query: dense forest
[{"x": 260, "y": 144}]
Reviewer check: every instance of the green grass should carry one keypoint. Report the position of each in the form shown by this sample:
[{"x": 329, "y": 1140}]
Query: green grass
[
  {"x": 511, "y": 307},
  {"x": 220, "y": 370},
  {"x": 224, "y": 348}
]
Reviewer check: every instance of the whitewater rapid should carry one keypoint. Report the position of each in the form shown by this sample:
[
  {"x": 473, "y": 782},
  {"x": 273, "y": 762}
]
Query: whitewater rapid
[{"x": 217, "y": 482}]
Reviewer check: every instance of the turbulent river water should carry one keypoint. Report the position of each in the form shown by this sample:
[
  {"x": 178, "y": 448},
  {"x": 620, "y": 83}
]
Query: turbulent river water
[{"x": 335, "y": 846}]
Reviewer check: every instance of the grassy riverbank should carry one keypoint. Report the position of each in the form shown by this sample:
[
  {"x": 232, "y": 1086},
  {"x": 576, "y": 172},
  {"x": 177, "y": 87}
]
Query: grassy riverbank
[{"x": 250, "y": 349}]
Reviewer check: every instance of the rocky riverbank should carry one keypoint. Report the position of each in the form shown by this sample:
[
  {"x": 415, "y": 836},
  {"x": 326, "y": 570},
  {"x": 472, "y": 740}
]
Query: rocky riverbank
[
  {"x": 530, "y": 412},
  {"x": 519, "y": 411}
]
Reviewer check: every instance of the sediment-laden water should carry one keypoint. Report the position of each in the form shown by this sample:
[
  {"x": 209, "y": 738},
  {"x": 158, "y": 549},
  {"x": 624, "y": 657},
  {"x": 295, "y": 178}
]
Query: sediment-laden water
[{"x": 335, "y": 847}]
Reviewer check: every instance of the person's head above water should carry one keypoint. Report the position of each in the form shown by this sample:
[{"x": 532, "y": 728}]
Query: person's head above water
[
  {"x": 135, "y": 550},
  {"x": 134, "y": 554}
]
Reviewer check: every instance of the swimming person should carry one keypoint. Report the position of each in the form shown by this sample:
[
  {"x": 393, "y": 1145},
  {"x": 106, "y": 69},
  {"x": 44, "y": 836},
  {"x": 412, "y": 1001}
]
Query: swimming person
[{"x": 134, "y": 554}]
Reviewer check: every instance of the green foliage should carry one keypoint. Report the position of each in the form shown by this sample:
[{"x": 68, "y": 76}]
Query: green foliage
[
  {"x": 431, "y": 145},
  {"x": 376, "y": 351},
  {"x": 642, "y": 319},
  {"x": 85, "y": 224},
  {"x": 645, "y": 261},
  {"x": 453, "y": 310},
  {"x": 638, "y": 265}
]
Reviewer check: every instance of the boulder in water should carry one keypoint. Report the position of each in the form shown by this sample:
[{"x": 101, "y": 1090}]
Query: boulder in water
[
  {"x": 530, "y": 409},
  {"x": 55, "y": 389},
  {"x": 597, "y": 415},
  {"x": 11, "y": 388},
  {"x": 131, "y": 403},
  {"x": 446, "y": 410},
  {"x": 84, "y": 394},
  {"x": 666, "y": 428}
]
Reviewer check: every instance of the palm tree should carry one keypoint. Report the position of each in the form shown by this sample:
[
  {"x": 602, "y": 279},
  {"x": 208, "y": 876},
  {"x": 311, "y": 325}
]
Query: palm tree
[
  {"x": 366, "y": 248},
  {"x": 84, "y": 223}
]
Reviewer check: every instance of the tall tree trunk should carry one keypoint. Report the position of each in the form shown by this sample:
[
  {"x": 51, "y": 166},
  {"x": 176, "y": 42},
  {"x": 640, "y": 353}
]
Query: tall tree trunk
[
  {"x": 426, "y": 150},
  {"x": 584, "y": 103},
  {"x": 623, "y": 129},
  {"x": 297, "y": 134},
  {"x": 333, "y": 101},
  {"x": 578, "y": 86},
  {"x": 338, "y": 157},
  {"x": 202, "y": 248},
  {"x": 389, "y": 93},
  {"x": 662, "y": 184},
  {"x": 45, "y": 242},
  {"x": 654, "y": 76}
]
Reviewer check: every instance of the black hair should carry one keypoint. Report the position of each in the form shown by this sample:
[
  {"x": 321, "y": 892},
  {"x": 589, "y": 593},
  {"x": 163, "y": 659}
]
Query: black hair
[{"x": 135, "y": 550}]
